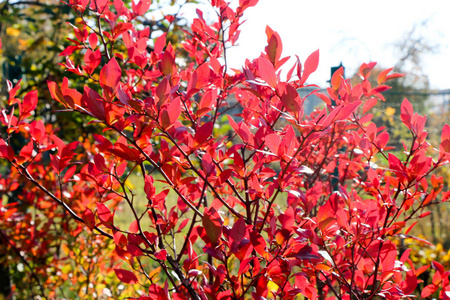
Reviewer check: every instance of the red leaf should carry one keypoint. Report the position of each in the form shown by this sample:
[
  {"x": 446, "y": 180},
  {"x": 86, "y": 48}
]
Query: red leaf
[
  {"x": 71, "y": 96},
  {"x": 380, "y": 89},
  {"x": 170, "y": 115},
  {"x": 382, "y": 140},
  {"x": 237, "y": 232},
  {"x": 104, "y": 213},
  {"x": 287, "y": 219},
  {"x": 364, "y": 70},
  {"x": 208, "y": 164},
  {"x": 213, "y": 225},
  {"x": 134, "y": 250},
  {"x": 160, "y": 42},
  {"x": 225, "y": 175},
  {"x": 203, "y": 133},
  {"x": 383, "y": 76},
  {"x": 225, "y": 295},
  {"x": 110, "y": 75},
  {"x": 394, "y": 75},
  {"x": 373, "y": 178},
  {"x": 438, "y": 267},
  {"x": 93, "y": 40},
  {"x": 174, "y": 110},
  {"x": 324, "y": 98},
  {"x": 347, "y": 110},
  {"x": 305, "y": 252},
  {"x": 183, "y": 224},
  {"x": 69, "y": 50},
  {"x": 100, "y": 164},
  {"x": 201, "y": 76},
  {"x": 12, "y": 91},
  {"x": 326, "y": 215},
  {"x": 445, "y": 133},
  {"x": 94, "y": 103},
  {"x": 25, "y": 153},
  {"x": 337, "y": 78},
  {"x": 207, "y": 101},
  {"x": 29, "y": 103},
  {"x": 66, "y": 154},
  {"x": 290, "y": 97},
  {"x": 407, "y": 112},
  {"x": 126, "y": 153},
  {"x": 428, "y": 290},
  {"x": 244, "y": 265},
  {"x": 149, "y": 188},
  {"x": 274, "y": 46},
  {"x": 134, "y": 227},
  {"x": 56, "y": 93},
  {"x": 142, "y": 7},
  {"x": 409, "y": 285},
  {"x": 168, "y": 64},
  {"x": 69, "y": 173},
  {"x": 388, "y": 254},
  {"x": 417, "y": 239},
  {"x": 273, "y": 142},
  {"x": 261, "y": 287},
  {"x": 120, "y": 239},
  {"x": 92, "y": 60},
  {"x": 126, "y": 276},
  {"x": 410, "y": 227},
  {"x": 267, "y": 72},
  {"x": 397, "y": 166},
  {"x": 369, "y": 104},
  {"x": 242, "y": 131},
  {"x": 99, "y": 5},
  {"x": 88, "y": 218},
  {"x": 342, "y": 112},
  {"x": 258, "y": 243},
  {"x": 103, "y": 143},
  {"x": 161, "y": 254},
  {"x": 423, "y": 215},
  {"x": 311, "y": 64},
  {"x": 243, "y": 250},
  {"x": 162, "y": 92}
]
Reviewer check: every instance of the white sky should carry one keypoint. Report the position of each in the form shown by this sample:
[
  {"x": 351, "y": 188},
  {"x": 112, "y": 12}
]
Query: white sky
[{"x": 351, "y": 31}]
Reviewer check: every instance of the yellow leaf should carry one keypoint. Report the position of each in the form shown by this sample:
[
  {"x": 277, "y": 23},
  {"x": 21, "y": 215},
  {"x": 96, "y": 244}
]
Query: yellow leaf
[
  {"x": 154, "y": 274},
  {"x": 390, "y": 111},
  {"x": 12, "y": 31},
  {"x": 272, "y": 287},
  {"x": 129, "y": 184}
]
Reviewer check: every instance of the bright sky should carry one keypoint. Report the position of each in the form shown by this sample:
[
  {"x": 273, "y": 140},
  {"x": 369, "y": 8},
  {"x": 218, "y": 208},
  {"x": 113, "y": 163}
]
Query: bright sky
[{"x": 351, "y": 31}]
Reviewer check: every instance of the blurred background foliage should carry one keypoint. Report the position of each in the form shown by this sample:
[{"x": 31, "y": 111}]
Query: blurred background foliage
[{"x": 34, "y": 33}]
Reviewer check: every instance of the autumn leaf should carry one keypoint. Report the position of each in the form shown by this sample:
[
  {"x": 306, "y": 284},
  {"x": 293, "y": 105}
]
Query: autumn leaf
[
  {"x": 311, "y": 64},
  {"x": 126, "y": 276},
  {"x": 213, "y": 225},
  {"x": 267, "y": 72},
  {"x": 104, "y": 213},
  {"x": 110, "y": 75}
]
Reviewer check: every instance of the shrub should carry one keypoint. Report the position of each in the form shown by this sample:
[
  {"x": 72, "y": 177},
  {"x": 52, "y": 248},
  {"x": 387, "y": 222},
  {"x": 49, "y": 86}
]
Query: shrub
[{"x": 265, "y": 203}]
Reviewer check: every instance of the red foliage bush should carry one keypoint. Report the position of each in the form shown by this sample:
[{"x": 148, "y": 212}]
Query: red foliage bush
[{"x": 271, "y": 203}]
